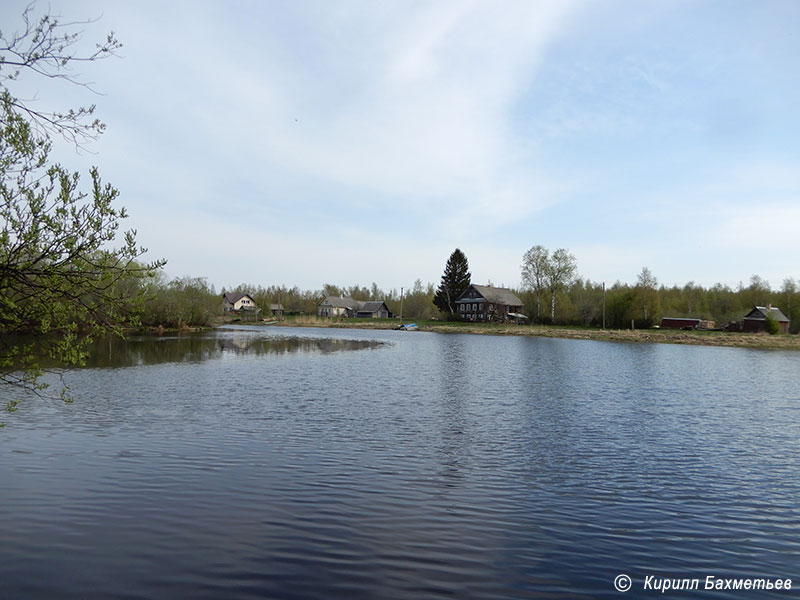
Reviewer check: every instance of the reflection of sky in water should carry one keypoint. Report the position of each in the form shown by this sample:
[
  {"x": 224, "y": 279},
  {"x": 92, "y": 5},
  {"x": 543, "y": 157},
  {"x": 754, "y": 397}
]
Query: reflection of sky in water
[{"x": 439, "y": 466}]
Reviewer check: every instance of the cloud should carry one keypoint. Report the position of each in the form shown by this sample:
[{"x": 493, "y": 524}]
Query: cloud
[
  {"x": 768, "y": 228},
  {"x": 421, "y": 114}
]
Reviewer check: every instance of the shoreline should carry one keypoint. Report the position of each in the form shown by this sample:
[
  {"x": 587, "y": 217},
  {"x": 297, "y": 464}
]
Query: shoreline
[{"x": 761, "y": 341}]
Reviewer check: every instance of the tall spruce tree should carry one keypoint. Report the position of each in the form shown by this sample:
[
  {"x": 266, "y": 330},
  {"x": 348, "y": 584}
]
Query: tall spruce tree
[{"x": 455, "y": 281}]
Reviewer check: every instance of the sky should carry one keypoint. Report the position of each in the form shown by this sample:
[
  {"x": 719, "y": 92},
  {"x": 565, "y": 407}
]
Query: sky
[{"x": 352, "y": 142}]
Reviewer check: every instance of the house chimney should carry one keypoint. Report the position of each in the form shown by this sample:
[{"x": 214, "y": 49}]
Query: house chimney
[{"x": 769, "y": 306}]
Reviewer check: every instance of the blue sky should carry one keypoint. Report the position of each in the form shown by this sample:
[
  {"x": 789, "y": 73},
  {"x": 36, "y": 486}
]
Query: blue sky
[{"x": 304, "y": 143}]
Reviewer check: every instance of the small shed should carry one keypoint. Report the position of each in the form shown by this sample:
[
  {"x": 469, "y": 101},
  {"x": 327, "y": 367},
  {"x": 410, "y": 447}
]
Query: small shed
[
  {"x": 276, "y": 310},
  {"x": 756, "y": 319},
  {"x": 679, "y": 323}
]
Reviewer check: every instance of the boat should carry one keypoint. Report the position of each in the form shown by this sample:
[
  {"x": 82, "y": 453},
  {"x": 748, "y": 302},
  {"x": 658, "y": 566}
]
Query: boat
[{"x": 408, "y": 327}]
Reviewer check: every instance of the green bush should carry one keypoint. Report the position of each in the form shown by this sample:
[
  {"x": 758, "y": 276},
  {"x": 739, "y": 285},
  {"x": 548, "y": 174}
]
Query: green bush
[{"x": 771, "y": 325}]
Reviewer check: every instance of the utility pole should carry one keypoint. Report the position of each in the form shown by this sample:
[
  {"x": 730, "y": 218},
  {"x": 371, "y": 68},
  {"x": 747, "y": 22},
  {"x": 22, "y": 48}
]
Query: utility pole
[{"x": 401, "y": 306}]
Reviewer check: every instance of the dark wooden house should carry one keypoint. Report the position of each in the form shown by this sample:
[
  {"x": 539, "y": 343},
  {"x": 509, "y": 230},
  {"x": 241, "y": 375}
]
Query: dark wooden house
[
  {"x": 485, "y": 303},
  {"x": 334, "y": 306},
  {"x": 374, "y": 310},
  {"x": 756, "y": 319}
]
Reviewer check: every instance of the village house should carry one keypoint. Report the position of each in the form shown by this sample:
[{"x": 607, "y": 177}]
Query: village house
[
  {"x": 276, "y": 310},
  {"x": 756, "y": 319},
  {"x": 374, "y": 310},
  {"x": 238, "y": 303},
  {"x": 489, "y": 304},
  {"x": 335, "y": 306}
]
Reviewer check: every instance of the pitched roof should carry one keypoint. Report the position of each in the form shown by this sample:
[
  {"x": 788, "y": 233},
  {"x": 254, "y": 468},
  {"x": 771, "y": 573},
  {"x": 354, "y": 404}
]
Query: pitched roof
[
  {"x": 339, "y": 302},
  {"x": 496, "y": 295},
  {"x": 372, "y": 306},
  {"x": 234, "y": 298},
  {"x": 760, "y": 313}
]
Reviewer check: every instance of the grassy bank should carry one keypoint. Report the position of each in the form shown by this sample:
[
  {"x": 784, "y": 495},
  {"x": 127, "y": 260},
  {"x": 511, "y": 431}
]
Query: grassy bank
[{"x": 653, "y": 336}]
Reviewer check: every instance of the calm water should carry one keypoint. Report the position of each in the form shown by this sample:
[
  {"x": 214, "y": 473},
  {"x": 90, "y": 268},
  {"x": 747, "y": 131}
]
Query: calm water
[{"x": 278, "y": 463}]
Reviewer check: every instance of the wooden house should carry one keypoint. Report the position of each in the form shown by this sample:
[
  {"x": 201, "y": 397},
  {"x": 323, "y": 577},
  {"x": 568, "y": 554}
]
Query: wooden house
[
  {"x": 756, "y": 319},
  {"x": 374, "y": 310},
  {"x": 335, "y": 306},
  {"x": 276, "y": 310},
  {"x": 485, "y": 303}
]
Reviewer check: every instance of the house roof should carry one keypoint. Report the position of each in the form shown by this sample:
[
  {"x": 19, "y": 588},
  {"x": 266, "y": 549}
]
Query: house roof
[
  {"x": 339, "y": 302},
  {"x": 234, "y": 298},
  {"x": 276, "y": 306},
  {"x": 495, "y": 295},
  {"x": 373, "y": 306},
  {"x": 759, "y": 313}
]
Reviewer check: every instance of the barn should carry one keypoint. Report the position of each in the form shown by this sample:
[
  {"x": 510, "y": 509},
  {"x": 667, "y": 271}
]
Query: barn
[{"x": 756, "y": 319}]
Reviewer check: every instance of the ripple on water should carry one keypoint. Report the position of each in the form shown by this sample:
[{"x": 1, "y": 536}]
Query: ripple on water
[{"x": 244, "y": 464}]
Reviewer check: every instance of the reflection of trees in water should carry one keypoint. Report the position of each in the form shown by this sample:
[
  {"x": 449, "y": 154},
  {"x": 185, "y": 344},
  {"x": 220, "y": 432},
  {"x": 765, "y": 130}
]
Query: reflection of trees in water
[
  {"x": 283, "y": 345},
  {"x": 149, "y": 350}
]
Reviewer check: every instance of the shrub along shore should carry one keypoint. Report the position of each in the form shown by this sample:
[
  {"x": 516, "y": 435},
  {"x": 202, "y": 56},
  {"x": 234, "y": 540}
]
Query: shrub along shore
[{"x": 652, "y": 336}]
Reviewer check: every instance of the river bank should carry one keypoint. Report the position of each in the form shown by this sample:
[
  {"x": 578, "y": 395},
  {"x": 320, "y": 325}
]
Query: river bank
[{"x": 651, "y": 336}]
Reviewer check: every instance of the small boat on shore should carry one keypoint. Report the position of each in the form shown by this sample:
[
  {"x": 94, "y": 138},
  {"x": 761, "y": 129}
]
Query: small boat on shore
[{"x": 407, "y": 327}]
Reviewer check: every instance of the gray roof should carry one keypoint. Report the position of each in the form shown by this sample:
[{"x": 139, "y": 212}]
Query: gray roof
[
  {"x": 339, "y": 302},
  {"x": 760, "y": 313},
  {"x": 373, "y": 306},
  {"x": 496, "y": 295}
]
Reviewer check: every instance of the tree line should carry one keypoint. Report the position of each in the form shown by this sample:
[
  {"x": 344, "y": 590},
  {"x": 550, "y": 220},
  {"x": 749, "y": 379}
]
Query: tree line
[
  {"x": 68, "y": 274},
  {"x": 551, "y": 290},
  {"x": 552, "y": 278}
]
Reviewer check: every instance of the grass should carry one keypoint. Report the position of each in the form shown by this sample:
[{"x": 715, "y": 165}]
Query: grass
[{"x": 653, "y": 336}]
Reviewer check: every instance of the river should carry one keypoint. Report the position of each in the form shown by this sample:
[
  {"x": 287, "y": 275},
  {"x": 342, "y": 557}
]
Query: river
[{"x": 309, "y": 463}]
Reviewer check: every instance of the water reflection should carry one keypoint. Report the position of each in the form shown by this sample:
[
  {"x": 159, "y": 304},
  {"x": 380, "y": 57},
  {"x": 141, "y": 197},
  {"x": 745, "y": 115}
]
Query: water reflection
[
  {"x": 197, "y": 347},
  {"x": 439, "y": 467}
]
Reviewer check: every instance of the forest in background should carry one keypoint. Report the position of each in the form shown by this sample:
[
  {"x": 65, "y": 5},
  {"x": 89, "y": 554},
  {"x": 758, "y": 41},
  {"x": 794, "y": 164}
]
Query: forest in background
[{"x": 192, "y": 301}]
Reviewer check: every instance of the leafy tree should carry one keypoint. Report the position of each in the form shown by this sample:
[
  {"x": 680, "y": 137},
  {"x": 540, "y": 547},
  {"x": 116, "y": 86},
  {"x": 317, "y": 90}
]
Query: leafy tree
[
  {"x": 560, "y": 272},
  {"x": 620, "y": 303},
  {"x": 184, "y": 302},
  {"x": 789, "y": 302},
  {"x": 587, "y": 298},
  {"x": 418, "y": 302},
  {"x": 647, "y": 295},
  {"x": 62, "y": 283},
  {"x": 455, "y": 281},
  {"x": 535, "y": 263}
]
